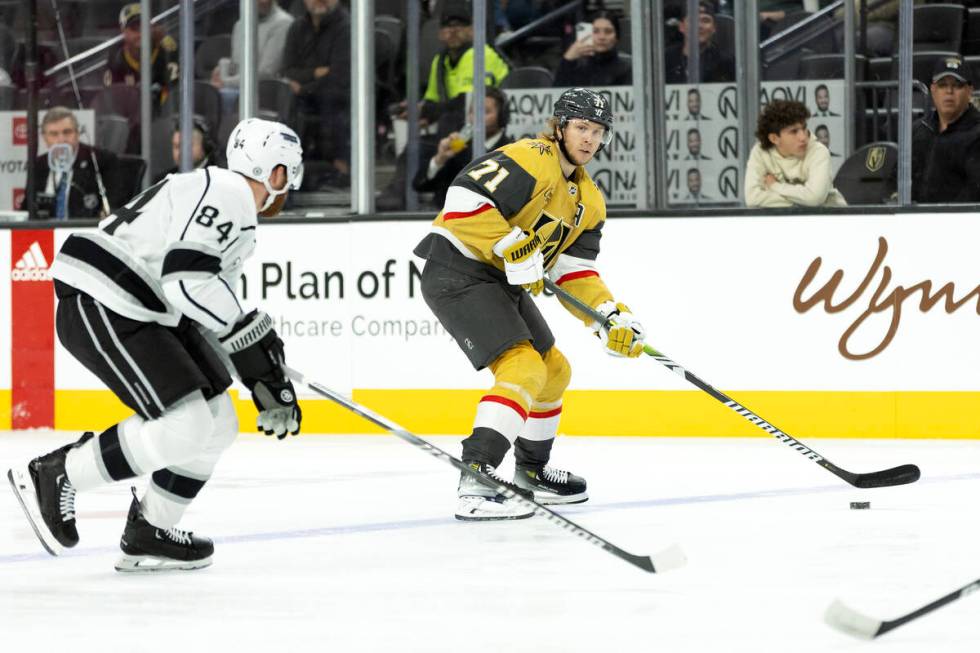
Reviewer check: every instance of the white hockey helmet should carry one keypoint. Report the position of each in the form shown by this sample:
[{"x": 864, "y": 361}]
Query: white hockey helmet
[{"x": 257, "y": 146}]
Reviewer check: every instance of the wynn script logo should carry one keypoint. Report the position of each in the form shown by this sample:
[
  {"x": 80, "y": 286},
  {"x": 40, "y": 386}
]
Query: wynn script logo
[{"x": 880, "y": 301}]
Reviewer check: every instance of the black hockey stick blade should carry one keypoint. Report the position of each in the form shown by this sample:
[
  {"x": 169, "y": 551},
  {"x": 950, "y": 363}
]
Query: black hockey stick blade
[
  {"x": 900, "y": 475},
  {"x": 670, "y": 558},
  {"x": 852, "y": 622}
]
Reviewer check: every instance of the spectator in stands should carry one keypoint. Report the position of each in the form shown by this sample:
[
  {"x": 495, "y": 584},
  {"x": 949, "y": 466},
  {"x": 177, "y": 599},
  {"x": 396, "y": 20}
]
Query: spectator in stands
[
  {"x": 123, "y": 66},
  {"x": 946, "y": 143},
  {"x": 316, "y": 64},
  {"x": 66, "y": 176},
  {"x": 451, "y": 72},
  {"x": 273, "y": 25},
  {"x": 788, "y": 166},
  {"x": 455, "y": 151},
  {"x": 204, "y": 149},
  {"x": 595, "y": 60},
  {"x": 716, "y": 66}
]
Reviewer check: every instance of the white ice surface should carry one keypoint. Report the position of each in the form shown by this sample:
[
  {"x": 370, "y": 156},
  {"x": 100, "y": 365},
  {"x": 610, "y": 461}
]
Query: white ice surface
[{"x": 347, "y": 543}]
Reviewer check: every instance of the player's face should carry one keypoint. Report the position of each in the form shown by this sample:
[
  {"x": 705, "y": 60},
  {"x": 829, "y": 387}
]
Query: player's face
[
  {"x": 582, "y": 139},
  {"x": 823, "y": 99},
  {"x": 791, "y": 141},
  {"x": 61, "y": 131},
  {"x": 603, "y": 35},
  {"x": 277, "y": 180}
]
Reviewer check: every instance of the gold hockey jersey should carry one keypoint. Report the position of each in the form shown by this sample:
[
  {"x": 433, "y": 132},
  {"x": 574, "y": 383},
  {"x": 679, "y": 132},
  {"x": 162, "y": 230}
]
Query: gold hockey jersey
[{"x": 521, "y": 184}]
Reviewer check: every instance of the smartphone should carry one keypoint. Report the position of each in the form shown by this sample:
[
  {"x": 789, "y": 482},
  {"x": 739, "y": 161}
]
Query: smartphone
[{"x": 583, "y": 30}]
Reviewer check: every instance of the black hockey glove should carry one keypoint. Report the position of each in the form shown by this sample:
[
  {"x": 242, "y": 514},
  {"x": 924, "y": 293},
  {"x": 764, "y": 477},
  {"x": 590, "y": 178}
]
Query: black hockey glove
[{"x": 257, "y": 354}]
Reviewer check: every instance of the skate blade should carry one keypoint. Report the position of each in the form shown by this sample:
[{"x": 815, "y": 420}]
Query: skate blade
[
  {"x": 549, "y": 499},
  {"x": 475, "y": 509},
  {"x": 23, "y": 488},
  {"x": 493, "y": 517},
  {"x": 129, "y": 564}
]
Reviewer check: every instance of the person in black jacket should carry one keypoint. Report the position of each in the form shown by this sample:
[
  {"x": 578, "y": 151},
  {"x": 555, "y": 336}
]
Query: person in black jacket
[
  {"x": 946, "y": 143},
  {"x": 455, "y": 151},
  {"x": 75, "y": 193},
  {"x": 316, "y": 63},
  {"x": 715, "y": 65},
  {"x": 595, "y": 60}
]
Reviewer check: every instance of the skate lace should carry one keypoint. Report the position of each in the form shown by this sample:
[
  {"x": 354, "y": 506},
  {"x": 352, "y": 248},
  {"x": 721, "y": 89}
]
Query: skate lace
[
  {"x": 178, "y": 536},
  {"x": 555, "y": 475},
  {"x": 66, "y": 501}
]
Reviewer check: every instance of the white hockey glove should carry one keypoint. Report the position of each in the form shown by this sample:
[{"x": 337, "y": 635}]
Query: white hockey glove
[
  {"x": 257, "y": 354},
  {"x": 523, "y": 262},
  {"x": 624, "y": 335}
]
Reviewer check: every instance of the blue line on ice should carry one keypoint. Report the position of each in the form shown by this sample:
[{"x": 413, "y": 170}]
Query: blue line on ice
[{"x": 447, "y": 521}]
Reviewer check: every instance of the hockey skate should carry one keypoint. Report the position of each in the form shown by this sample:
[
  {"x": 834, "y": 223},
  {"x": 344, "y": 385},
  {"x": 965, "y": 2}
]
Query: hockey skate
[
  {"x": 479, "y": 502},
  {"x": 550, "y": 486},
  {"x": 148, "y": 548},
  {"x": 48, "y": 498}
]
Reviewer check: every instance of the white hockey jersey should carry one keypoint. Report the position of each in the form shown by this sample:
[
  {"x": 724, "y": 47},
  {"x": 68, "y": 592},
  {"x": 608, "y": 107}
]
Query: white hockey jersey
[{"x": 176, "y": 249}]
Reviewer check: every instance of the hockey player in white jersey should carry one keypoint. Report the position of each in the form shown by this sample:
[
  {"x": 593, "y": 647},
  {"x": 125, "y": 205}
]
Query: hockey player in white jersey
[{"x": 147, "y": 303}]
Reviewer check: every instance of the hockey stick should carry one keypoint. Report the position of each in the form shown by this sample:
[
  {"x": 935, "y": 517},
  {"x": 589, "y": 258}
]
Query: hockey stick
[
  {"x": 900, "y": 475},
  {"x": 670, "y": 558},
  {"x": 852, "y": 622}
]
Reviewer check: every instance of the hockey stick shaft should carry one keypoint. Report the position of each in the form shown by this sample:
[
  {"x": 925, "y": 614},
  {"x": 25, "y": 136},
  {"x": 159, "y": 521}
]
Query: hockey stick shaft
[
  {"x": 895, "y": 476},
  {"x": 663, "y": 561}
]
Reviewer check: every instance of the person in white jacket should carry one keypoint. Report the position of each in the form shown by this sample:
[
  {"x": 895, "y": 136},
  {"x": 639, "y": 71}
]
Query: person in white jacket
[{"x": 788, "y": 166}]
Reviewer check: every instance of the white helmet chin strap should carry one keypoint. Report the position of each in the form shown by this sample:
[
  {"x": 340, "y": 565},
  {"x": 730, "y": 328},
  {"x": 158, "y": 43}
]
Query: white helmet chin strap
[{"x": 273, "y": 194}]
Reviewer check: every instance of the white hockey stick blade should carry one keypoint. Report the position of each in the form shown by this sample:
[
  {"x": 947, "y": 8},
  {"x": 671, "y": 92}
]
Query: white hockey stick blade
[
  {"x": 850, "y": 621},
  {"x": 670, "y": 558}
]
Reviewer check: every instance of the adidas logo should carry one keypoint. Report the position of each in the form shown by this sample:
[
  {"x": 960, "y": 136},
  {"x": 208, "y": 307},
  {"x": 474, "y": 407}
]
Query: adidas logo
[{"x": 32, "y": 266}]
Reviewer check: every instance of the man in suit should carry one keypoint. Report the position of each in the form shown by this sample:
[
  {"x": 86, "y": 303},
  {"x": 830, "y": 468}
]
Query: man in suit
[
  {"x": 74, "y": 191},
  {"x": 455, "y": 150}
]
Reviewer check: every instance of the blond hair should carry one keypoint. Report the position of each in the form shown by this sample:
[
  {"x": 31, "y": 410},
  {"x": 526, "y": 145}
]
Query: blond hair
[{"x": 548, "y": 133}]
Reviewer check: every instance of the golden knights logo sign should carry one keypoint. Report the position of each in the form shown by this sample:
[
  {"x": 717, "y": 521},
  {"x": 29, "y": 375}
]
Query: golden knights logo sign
[{"x": 875, "y": 159}]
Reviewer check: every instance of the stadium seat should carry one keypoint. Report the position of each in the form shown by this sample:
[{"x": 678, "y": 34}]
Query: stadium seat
[
  {"x": 869, "y": 175},
  {"x": 830, "y": 66},
  {"x": 528, "y": 77},
  {"x": 112, "y": 133},
  {"x": 938, "y": 27}
]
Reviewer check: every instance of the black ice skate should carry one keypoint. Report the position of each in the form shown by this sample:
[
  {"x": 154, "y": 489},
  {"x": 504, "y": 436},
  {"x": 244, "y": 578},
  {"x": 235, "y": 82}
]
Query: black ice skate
[
  {"x": 48, "y": 498},
  {"x": 479, "y": 502},
  {"x": 550, "y": 486},
  {"x": 148, "y": 548}
]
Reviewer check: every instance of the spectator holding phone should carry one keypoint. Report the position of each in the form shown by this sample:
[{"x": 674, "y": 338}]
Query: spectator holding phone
[{"x": 593, "y": 59}]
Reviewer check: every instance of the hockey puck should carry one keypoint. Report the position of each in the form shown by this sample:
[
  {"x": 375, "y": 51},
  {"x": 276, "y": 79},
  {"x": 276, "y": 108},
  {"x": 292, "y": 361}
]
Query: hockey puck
[{"x": 860, "y": 505}]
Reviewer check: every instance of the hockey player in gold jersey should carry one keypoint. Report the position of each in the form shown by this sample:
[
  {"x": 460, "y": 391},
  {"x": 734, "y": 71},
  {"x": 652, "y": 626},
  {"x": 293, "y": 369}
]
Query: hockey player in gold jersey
[{"x": 512, "y": 216}]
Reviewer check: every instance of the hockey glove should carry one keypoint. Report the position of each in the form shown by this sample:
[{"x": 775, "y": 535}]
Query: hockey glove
[
  {"x": 523, "y": 262},
  {"x": 257, "y": 354},
  {"x": 623, "y": 335}
]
